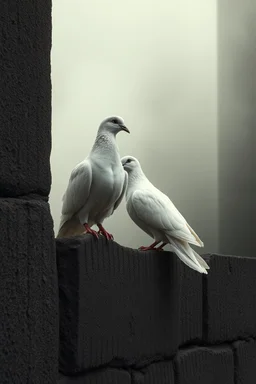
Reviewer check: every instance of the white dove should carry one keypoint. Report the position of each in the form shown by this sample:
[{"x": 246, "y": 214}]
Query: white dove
[
  {"x": 156, "y": 215},
  {"x": 96, "y": 185}
]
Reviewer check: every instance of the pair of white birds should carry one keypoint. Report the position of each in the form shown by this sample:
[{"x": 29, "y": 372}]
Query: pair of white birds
[{"x": 97, "y": 186}]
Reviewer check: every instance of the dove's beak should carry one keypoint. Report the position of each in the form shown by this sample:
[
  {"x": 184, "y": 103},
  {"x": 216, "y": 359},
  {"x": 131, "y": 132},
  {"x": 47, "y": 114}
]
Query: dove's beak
[{"x": 124, "y": 128}]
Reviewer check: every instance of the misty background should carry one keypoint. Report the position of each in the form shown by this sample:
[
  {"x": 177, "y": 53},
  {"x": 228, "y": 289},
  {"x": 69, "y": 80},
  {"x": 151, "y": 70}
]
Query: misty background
[{"x": 182, "y": 75}]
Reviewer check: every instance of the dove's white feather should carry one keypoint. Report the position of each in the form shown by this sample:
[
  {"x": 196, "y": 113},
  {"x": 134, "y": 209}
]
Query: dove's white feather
[
  {"x": 155, "y": 208},
  {"x": 182, "y": 251},
  {"x": 78, "y": 189},
  {"x": 118, "y": 202},
  {"x": 154, "y": 212},
  {"x": 96, "y": 185},
  {"x": 201, "y": 260}
]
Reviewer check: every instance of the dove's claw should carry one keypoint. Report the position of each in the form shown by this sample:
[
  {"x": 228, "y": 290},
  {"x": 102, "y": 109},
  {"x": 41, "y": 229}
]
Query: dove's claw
[
  {"x": 105, "y": 233},
  {"x": 91, "y": 231},
  {"x": 150, "y": 247}
]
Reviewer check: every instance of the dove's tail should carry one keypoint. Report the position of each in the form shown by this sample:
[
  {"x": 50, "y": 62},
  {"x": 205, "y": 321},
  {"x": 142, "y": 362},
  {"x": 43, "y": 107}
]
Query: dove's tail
[
  {"x": 188, "y": 255},
  {"x": 198, "y": 242},
  {"x": 70, "y": 227}
]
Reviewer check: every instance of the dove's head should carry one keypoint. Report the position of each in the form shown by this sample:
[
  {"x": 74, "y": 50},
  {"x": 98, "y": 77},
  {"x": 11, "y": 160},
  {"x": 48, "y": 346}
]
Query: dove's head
[
  {"x": 113, "y": 124},
  {"x": 130, "y": 164}
]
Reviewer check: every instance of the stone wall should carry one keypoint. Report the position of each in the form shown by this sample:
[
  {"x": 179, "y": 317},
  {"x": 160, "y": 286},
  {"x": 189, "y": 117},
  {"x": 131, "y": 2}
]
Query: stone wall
[
  {"x": 28, "y": 275},
  {"x": 145, "y": 318}
]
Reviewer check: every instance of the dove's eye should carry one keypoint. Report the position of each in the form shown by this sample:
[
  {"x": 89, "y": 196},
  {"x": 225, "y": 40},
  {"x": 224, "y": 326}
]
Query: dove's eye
[
  {"x": 128, "y": 160},
  {"x": 114, "y": 121}
]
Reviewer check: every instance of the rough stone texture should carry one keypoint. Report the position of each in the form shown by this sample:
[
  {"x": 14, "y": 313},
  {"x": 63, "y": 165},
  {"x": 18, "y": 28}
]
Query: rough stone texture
[
  {"x": 200, "y": 365},
  {"x": 159, "y": 373},
  {"x": 28, "y": 294},
  {"x": 25, "y": 98},
  {"x": 101, "y": 376},
  {"x": 191, "y": 306},
  {"x": 245, "y": 361},
  {"x": 137, "y": 377},
  {"x": 229, "y": 298},
  {"x": 117, "y": 305}
]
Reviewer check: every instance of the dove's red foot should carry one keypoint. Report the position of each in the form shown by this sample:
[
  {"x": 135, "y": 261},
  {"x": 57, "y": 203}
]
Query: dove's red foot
[
  {"x": 160, "y": 248},
  {"x": 104, "y": 232},
  {"x": 91, "y": 231},
  {"x": 150, "y": 247}
]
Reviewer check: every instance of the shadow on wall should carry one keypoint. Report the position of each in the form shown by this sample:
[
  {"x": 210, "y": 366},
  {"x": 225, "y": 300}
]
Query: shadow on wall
[{"x": 237, "y": 119}]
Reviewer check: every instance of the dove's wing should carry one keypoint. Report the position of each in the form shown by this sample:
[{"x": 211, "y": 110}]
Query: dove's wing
[
  {"x": 117, "y": 203},
  {"x": 78, "y": 189},
  {"x": 156, "y": 210}
]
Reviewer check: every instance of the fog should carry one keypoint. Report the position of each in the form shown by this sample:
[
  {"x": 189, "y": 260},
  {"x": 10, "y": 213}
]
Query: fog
[{"x": 156, "y": 65}]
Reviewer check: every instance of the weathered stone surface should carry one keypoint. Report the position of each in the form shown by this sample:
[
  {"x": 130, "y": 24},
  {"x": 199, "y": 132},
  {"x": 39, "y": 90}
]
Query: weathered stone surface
[
  {"x": 101, "y": 376},
  {"x": 229, "y": 298},
  {"x": 29, "y": 333},
  {"x": 201, "y": 365},
  {"x": 25, "y": 98},
  {"x": 245, "y": 360},
  {"x": 117, "y": 305}
]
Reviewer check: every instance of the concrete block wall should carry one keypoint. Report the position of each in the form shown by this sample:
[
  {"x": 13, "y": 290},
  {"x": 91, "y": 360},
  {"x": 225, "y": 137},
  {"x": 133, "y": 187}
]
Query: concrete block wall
[
  {"x": 145, "y": 318},
  {"x": 28, "y": 283}
]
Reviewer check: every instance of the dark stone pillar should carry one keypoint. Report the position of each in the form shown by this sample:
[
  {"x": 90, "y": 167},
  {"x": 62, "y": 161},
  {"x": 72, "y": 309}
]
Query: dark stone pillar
[
  {"x": 25, "y": 97},
  {"x": 28, "y": 277}
]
